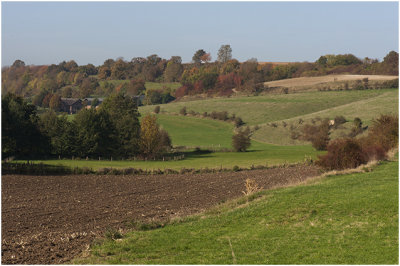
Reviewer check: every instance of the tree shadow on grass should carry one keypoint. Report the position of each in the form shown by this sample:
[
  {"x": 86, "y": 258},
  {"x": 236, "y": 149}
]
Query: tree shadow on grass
[
  {"x": 34, "y": 169},
  {"x": 197, "y": 154}
]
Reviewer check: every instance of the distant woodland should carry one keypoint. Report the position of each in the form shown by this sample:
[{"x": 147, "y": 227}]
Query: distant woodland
[{"x": 40, "y": 83}]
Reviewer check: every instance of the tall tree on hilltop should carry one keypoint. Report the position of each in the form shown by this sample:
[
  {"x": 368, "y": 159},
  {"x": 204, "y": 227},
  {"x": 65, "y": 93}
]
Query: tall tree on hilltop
[
  {"x": 224, "y": 53},
  {"x": 174, "y": 69},
  {"x": 197, "y": 56}
]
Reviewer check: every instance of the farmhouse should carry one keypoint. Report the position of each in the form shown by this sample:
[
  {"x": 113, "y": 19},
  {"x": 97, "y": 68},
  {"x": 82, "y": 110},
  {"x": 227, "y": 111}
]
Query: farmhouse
[{"x": 71, "y": 105}]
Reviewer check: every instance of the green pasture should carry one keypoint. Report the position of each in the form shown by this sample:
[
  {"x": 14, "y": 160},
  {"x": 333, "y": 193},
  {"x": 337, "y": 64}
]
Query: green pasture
[
  {"x": 258, "y": 154},
  {"x": 263, "y": 109},
  {"x": 206, "y": 134},
  {"x": 213, "y": 134},
  {"x": 346, "y": 219},
  {"x": 366, "y": 109},
  {"x": 193, "y": 131},
  {"x": 161, "y": 85},
  {"x": 149, "y": 85}
]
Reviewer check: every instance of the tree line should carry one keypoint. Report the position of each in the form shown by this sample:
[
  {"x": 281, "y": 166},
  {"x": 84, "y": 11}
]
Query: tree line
[
  {"x": 201, "y": 76},
  {"x": 112, "y": 131}
]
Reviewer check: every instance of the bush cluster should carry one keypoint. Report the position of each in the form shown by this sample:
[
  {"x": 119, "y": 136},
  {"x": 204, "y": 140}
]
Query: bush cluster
[
  {"x": 350, "y": 153},
  {"x": 339, "y": 120},
  {"x": 317, "y": 134},
  {"x": 222, "y": 116}
]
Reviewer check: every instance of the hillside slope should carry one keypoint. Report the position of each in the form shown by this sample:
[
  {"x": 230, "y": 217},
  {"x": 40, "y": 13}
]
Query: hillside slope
[
  {"x": 256, "y": 110},
  {"x": 309, "y": 83},
  {"x": 346, "y": 219}
]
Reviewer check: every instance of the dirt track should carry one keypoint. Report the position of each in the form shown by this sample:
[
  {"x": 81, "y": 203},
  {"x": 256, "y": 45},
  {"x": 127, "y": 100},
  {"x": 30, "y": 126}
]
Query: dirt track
[{"x": 51, "y": 219}]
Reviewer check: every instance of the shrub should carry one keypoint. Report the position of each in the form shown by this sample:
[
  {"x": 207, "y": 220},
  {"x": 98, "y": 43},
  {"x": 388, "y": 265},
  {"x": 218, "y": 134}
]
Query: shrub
[
  {"x": 385, "y": 132},
  {"x": 115, "y": 171},
  {"x": 241, "y": 140},
  {"x": 128, "y": 171},
  {"x": 357, "y": 122},
  {"x": 103, "y": 171},
  {"x": 223, "y": 116},
  {"x": 165, "y": 141},
  {"x": 339, "y": 120},
  {"x": 374, "y": 152},
  {"x": 317, "y": 134},
  {"x": 213, "y": 115},
  {"x": 157, "y": 109},
  {"x": 284, "y": 90},
  {"x": 236, "y": 168},
  {"x": 294, "y": 135},
  {"x": 342, "y": 154},
  {"x": 393, "y": 84},
  {"x": 183, "y": 111},
  {"x": 238, "y": 121},
  {"x": 251, "y": 187}
]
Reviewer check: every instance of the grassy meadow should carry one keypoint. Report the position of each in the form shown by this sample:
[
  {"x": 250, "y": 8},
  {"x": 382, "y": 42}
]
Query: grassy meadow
[
  {"x": 270, "y": 145},
  {"x": 149, "y": 85},
  {"x": 366, "y": 109},
  {"x": 344, "y": 219},
  {"x": 255, "y": 110},
  {"x": 258, "y": 154}
]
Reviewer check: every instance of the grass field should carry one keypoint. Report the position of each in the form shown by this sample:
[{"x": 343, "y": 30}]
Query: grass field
[
  {"x": 258, "y": 154},
  {"x": 263, "y": 109},
  {"x": 309, "y": 82},
  {"x": 157, "y": 85},
  {"x": 366, "y": 109},
  {"x": 148, "y": 85},
  {"x": 346, "y": 219},
  {"x": 207, "y": 133},
  {"x": 193, "y": 131}
]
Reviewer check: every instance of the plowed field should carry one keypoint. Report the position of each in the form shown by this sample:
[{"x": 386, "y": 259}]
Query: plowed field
[{"x": 51, "y": 219}]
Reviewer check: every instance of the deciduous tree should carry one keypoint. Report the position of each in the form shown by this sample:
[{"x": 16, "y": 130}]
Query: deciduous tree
[
  {"x": 197, "y": 56},
  {"x": 224, "y": 53},
  {"x": 124, "y": 116},
  {"x": 149, "y": 136},
  {"x": 20, "y": 132},
  {"x": 241, "y": 140}
]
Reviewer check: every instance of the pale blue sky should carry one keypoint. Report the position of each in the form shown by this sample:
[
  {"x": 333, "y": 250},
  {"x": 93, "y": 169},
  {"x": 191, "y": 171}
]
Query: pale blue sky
[{"x": 91, "y": 32}]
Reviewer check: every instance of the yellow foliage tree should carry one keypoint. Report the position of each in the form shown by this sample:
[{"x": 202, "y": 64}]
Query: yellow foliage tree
[{"x": 149, "y": 136}]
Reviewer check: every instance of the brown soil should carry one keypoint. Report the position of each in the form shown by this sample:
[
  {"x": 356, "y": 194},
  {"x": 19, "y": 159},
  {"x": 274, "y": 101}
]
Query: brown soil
[{"x": 51, "y": 219}]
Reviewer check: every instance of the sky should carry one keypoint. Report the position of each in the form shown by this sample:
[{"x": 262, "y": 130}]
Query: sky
[{"x": 41, "y": 33}]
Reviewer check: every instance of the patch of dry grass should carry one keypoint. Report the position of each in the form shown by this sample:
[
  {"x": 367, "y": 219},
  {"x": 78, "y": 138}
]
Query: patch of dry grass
[{"x": 312, "y": 81}]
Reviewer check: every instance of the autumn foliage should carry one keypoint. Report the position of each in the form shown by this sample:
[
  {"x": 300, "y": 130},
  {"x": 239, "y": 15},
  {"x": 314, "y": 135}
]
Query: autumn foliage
[
  {"x": 351, "y": 152},
  {"x": 153, "y": 140}
]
